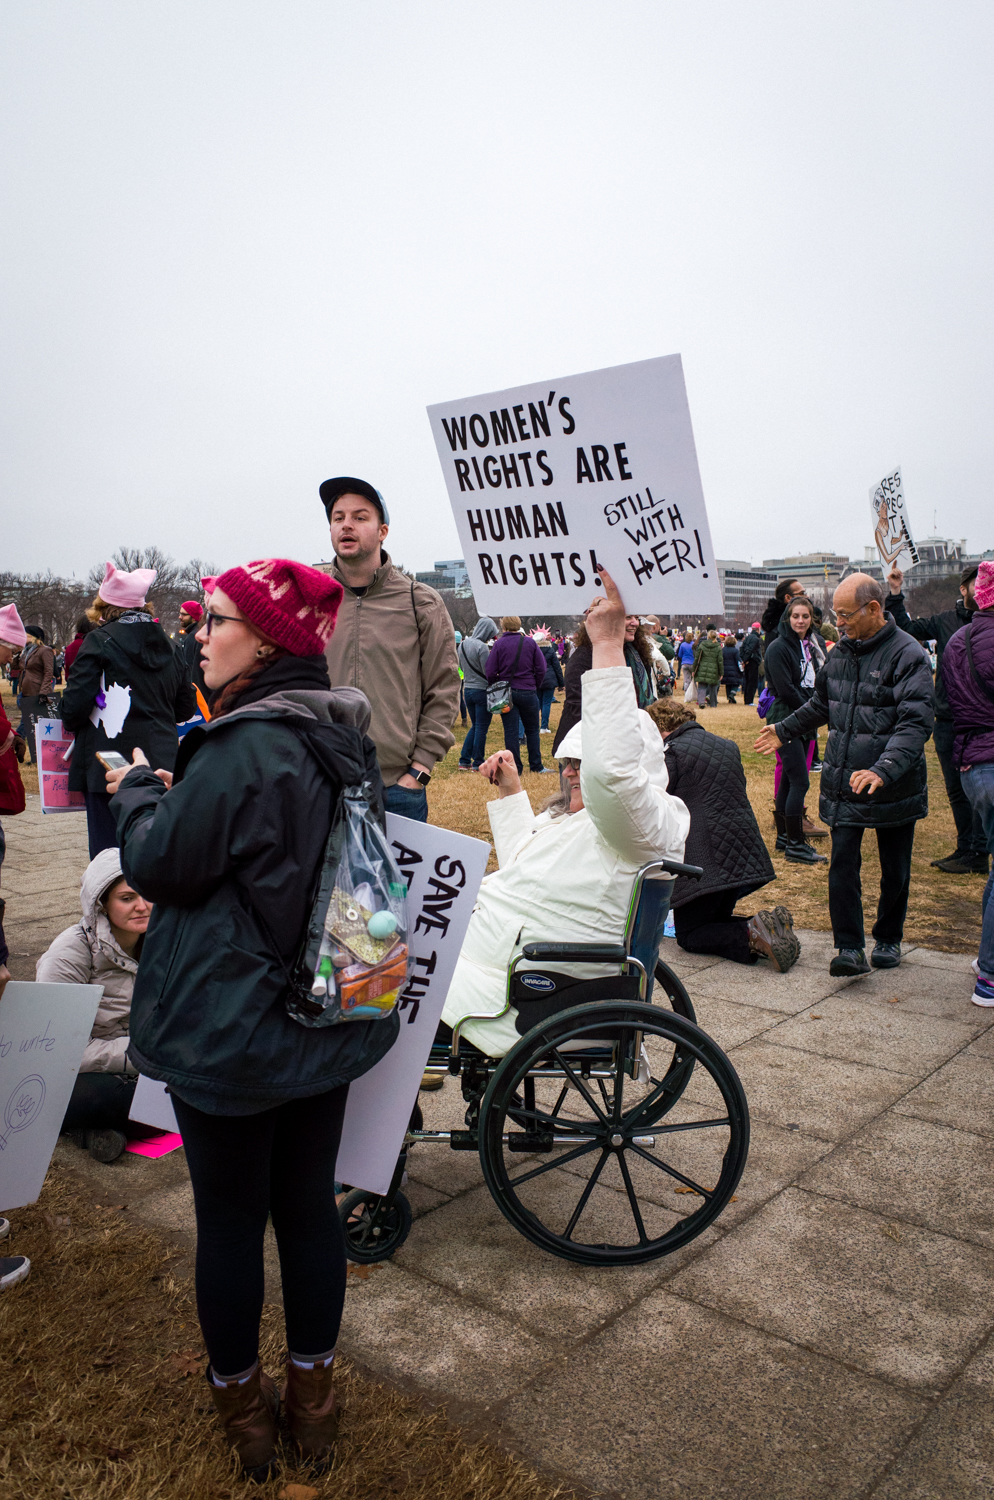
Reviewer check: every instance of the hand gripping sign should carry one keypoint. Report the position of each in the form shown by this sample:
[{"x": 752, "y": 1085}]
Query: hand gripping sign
[
  {"x": 443, "y": 871},
  {"x": 547, "y": 481}
]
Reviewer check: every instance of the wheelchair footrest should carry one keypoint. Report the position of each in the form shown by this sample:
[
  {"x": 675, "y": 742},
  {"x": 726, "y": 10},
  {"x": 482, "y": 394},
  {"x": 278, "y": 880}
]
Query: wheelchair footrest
[{"x": 464, "y": 1140}]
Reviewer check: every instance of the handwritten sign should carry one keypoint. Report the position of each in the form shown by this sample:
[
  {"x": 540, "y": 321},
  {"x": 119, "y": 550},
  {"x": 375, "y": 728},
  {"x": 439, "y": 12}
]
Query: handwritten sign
[
  {"x": 547, "y": 481},
  {"x": 891, "y": 528},
  {"x": 52, "y": 742},
  {"x": 43, "y": 1031},
  {"x": 443, "y": 871}
]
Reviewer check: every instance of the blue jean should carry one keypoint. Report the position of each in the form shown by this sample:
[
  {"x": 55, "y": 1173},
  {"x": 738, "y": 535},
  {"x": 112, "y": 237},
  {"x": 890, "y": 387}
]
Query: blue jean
[
  {"x": 523, "y": 715},
  {"x": 978, "y": 783},
  {"x": 407, "y": 802},
  {"x": 474, "y": 746},
  {"x": 545, "y": 698}
]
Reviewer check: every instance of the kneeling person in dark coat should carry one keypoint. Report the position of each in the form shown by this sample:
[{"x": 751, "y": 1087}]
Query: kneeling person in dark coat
[{"x": 705, "y": 772}]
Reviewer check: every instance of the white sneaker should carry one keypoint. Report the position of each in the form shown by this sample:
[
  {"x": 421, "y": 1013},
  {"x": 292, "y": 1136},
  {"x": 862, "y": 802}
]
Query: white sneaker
[
  {"x": 546, "y": 731},
  {"x": 13, "y": 1268}
]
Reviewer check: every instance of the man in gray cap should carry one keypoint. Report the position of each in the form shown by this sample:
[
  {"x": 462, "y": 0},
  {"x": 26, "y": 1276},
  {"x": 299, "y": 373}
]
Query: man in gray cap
[{"x": 394, "y": 640}]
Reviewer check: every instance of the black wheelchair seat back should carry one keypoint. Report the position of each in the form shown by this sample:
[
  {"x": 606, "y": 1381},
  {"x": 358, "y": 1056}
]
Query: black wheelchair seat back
[{"x": 538, "y": 994}]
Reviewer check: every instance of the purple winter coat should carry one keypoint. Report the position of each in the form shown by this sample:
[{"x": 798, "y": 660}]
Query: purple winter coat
[
  {"x": 973, "y": 711},
  {"x": 532, "y": 665}
]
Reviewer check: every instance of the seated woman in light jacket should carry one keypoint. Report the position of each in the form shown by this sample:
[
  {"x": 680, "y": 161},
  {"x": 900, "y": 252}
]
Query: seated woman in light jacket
[
  {"x": 566, "y": 874},
  {"x": 102, "y": 949}
]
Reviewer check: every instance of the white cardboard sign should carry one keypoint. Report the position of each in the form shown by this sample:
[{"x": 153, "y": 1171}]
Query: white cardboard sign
[
  {"x": 444, "y": 871},
  {"x": 891, "y": 528},
  {"x": 547, "y": 481},
  {"x": 44, "y": 1029},
  {"x": 151, "y": 1105},
  {"x": 52, "y": 744}
]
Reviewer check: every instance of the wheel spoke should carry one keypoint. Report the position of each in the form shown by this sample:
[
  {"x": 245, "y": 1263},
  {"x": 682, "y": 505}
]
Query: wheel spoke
[
  {"x": 619, "y": 1077},
  {"x": 559, "y": 1161},
  {"x": 633, "y": 1201},
  {"x": 557, "y": 1123},
  {"x": 579, "y": 1085},
  {"x": 684, "y": 1125},
  {"x": 671, "y": 1171},
  {"x": 561, "y": 1100},
  {"x": 591, "y": 1184}
]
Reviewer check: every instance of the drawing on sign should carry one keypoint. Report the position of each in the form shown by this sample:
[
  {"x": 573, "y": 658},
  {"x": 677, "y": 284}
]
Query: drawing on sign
[
  {"x": 891, "y": 530},
  {"x": 54, "y": 750},
  {"x": 23, "y": 1106},
  {"x": 548, "y": 481}
]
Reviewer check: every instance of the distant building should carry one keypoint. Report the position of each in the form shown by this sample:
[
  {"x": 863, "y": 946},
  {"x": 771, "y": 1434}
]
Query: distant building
[
  {"x": 744, "y": 589},
  {"x": 452, "y": 575}
]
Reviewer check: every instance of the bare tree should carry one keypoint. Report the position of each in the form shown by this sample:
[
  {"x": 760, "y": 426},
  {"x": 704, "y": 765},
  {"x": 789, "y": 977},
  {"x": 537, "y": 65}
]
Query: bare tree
[{"x": 933, "y": 596}]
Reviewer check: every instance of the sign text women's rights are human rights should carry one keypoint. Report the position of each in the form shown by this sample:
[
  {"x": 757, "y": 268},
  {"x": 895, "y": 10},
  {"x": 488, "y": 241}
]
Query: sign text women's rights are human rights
[{"x": 548, "y": 481}]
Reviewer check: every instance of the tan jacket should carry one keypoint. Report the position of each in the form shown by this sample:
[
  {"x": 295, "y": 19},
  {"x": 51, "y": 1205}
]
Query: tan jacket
[
  {"x": 396, "y": 643},
  {"x": 37, "y": 666}
]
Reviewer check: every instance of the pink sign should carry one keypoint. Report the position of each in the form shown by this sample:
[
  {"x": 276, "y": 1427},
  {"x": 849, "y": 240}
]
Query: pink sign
[{"x": 52, "y": 742}]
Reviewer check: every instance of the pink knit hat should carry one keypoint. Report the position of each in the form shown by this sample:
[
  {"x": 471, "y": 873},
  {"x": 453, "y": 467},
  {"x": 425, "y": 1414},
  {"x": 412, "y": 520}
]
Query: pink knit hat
[
  {"x": 983, "y": 589},
  {"x": 295, "y": 605},
  {"x": 209, "y": 584},
  {"x": 12, "y": 632},
  {"x": 192, "y": 608},
  {"x": 126, "y": 590}
]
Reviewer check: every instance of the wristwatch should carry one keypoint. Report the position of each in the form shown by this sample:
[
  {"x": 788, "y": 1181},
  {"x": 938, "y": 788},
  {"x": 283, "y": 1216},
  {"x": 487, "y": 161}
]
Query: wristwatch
[{"x": 421, "y": 777}]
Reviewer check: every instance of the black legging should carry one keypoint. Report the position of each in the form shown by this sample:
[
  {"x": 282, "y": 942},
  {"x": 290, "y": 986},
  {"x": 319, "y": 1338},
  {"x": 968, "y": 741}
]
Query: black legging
[
  {"x": 244, "y": 1168},
  {"x": 794, "y": 781}
]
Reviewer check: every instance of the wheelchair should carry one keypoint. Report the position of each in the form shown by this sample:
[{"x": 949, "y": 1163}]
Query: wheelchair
[{"x": 614, "y": 1132}]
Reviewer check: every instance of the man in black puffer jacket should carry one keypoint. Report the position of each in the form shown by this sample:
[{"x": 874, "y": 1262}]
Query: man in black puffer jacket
[
  {"x": 875, "y": 694},
  {"x": 970, "y": 855}
]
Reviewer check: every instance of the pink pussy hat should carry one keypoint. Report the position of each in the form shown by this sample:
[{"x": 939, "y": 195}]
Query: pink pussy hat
[
  {"x": 209, "y": 584},
  {"x": 983, "y": 589},
  {"x": 12, "y": 631},
  {"x": 126, "y": 590},
  {"x": 296, "y": 606}
]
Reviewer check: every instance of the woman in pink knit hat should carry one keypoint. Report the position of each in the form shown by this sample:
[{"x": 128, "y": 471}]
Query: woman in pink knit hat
[
  {"x": 229, "y": 848},
  {"x": 128, "y": 676},
  {"x": 13, "y": 637}
]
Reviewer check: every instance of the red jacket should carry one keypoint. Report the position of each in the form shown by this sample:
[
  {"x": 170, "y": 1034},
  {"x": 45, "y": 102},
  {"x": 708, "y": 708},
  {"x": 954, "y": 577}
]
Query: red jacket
[{"x": 11, "y": 785}]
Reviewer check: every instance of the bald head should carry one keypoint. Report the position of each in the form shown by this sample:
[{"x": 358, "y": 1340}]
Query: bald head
[{"x": 858, "y": 605}]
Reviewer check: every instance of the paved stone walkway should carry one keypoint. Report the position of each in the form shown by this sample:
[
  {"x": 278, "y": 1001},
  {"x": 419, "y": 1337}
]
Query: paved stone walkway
[{"x": 831, "y": 1336}]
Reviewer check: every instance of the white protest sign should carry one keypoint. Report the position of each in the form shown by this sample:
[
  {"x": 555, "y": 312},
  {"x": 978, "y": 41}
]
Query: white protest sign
[
  {"x": 43, "y": 1031},
  {"x": 443, "y": 871},
  {"x": 891, "y": 529},
  {"x": 52, "y": 743},
  {"x": 546, "y": 481},
  {"x": 151, "y": 1105}
]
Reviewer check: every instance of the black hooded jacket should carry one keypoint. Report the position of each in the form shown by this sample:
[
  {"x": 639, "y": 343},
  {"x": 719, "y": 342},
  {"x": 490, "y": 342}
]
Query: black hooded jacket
[
  {"x": 876, "y": 698},
  {"x": 706, "y": 772},
  {"x": 230, "y": 857},
  {"x": 784, "y": 671},
  {"x": 137, "y": 654},
  {"x": 939, "y": 628}
]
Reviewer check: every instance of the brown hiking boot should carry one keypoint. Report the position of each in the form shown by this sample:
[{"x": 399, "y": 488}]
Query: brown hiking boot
[
  {"x": 311, "y": 1413},
  {"x": 773, "y": 937},
  {"x": 812, "y": 830},
  {"x": 248, "y": 1417}
]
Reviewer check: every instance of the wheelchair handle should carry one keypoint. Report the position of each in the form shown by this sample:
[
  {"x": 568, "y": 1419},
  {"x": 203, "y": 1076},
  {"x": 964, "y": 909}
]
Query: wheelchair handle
[{"x": 692, "y": 872}]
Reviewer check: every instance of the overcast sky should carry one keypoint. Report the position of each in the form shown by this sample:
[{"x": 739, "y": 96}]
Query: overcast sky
[{"x": 245, "y": 244}]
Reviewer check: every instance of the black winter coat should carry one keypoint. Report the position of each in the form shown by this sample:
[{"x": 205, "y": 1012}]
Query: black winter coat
[
  {"x": 139, "y": 655},
  {"x": 751, "y": 648},
  {"x": 731, "y": 669},
  {"x": 939, "y": 628},
  {"x": 230, "y": 856},
  {"x": 770, "y": 619},
  {"x": 784, "y": 672},
  {"x": 876, "y": 698},
  {"x": 554, "y": 672},
  {"x": 706, "y": 772}
]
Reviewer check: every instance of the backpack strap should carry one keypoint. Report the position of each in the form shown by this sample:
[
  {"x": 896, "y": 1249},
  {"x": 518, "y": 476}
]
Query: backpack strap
[{"x": 984, "y": 687}]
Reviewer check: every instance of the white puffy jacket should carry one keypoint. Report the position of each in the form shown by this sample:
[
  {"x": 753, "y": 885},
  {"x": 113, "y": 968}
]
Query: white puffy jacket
[
  {"x": 89, "y": 954},
  {"x": 569, "y": 878}
]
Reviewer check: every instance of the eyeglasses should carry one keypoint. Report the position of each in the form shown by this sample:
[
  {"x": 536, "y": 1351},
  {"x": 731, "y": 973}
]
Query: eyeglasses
[
  {"x": 213, "y": 616},
  {"x": 842, "y": 616},
  {"x": 571, "y": 762}
]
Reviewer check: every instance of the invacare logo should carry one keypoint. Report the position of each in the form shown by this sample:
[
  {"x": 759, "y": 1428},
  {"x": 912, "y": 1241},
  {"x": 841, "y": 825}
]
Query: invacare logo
[{"x": 537, "y": 982}]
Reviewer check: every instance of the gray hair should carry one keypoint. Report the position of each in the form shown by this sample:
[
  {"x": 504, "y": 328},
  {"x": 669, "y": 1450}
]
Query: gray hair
[
  {"x": 557, "y": 806},
  {"x": 868, "y": 590}
]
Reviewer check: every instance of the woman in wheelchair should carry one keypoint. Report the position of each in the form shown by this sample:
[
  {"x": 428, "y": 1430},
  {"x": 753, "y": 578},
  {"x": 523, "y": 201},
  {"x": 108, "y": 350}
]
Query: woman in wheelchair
[{"x": 567, "y": 873}]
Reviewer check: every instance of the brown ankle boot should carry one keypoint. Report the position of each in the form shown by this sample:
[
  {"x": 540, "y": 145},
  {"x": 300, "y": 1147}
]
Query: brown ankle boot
[
  {"x": 248, "y": 1416},
  {"x": 812, "y": 830},
  {"x": 311, "y": 1413}
]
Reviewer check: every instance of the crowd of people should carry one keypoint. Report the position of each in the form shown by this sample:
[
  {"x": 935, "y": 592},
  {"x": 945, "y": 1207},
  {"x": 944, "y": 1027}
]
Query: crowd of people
[{"x": 284, "y": 684}]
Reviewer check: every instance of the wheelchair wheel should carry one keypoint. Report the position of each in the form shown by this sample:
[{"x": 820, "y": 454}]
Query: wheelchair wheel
[
  {"x": 372, "y": 1230},
  {"x": 681, "y": 1064},
  {"x": 583, "y": 1154},
  {"x": 675, "y": 991}
]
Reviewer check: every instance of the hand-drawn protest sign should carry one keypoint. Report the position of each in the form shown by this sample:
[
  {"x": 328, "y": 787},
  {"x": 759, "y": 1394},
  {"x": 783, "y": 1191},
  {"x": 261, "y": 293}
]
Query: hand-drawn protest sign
[
  {"x": 43, "y": 1031},
  {"x": 51, "y": 744},
  {"x": 891, "y": 529},
  {"x": 443, "y": 871},
  {"x": 547, "y": 481}
]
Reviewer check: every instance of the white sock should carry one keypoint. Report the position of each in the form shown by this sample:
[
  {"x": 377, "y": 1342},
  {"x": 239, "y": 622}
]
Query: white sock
[
  {"x": 319, "y": 1362},
  {"x": 222, "y": 1380}
]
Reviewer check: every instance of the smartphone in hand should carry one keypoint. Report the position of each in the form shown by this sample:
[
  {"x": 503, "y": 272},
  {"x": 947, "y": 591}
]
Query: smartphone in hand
[{"x": 111, "y": 760}]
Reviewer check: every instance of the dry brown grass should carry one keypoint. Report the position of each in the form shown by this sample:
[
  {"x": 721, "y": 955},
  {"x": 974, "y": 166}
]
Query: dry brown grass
[
  {"x": 97, "y": 1404},
  {"x": 944, "y": 910}
]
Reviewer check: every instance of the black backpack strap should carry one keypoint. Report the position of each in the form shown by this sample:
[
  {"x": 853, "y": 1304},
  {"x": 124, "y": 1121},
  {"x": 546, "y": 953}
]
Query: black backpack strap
[{"x": 984, "y": 687}]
